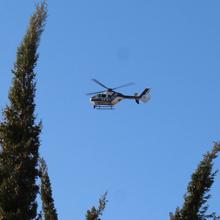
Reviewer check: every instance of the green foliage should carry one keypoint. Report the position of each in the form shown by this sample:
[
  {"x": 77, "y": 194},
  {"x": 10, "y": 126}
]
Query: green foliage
[
  {"x": 49, "y": 210},
  {"x": 96, "y": 213},
  {"x": 195, "y": 200},
  {"x": 19, "y": 134}
]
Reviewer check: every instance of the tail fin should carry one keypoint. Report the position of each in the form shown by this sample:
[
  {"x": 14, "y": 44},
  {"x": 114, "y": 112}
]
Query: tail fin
[
  {"x": 146, "y": 91},
  {"x": 137, "y": 101},
  {"x": 144, "y": 96}
]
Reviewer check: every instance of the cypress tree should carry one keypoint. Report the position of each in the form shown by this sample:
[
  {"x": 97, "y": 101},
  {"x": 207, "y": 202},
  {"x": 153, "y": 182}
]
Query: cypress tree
[
  {"x": 96, "y": 213},
  {"x": 19, "y": 133},
  {"x": 195, "y": 200},
  {"x": 49, "y": 210}
]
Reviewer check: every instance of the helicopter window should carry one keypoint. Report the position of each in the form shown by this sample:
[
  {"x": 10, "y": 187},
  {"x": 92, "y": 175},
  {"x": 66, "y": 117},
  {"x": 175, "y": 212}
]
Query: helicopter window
[{"x": 103, "y": 95}]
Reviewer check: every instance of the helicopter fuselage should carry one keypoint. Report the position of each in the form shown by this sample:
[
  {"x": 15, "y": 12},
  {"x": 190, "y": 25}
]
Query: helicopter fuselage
[{"x": 108, "y": 99}]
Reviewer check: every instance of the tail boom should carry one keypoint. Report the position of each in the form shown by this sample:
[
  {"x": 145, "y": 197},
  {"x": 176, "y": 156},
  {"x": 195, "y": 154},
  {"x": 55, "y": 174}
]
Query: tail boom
[{"x": 143, "y": 97}]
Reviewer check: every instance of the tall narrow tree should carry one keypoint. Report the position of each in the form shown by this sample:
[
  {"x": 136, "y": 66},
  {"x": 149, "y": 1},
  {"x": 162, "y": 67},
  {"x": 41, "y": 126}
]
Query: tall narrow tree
[
  {"x": 96, "y": 213},
  {"x": 19, "y": 133},
  {"x": 195, "y": 200},
  {"x": 49, "y": 210}
]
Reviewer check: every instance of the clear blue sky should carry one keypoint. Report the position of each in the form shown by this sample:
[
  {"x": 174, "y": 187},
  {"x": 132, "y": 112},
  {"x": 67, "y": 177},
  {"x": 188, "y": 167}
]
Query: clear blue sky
[{"x": 143, "y": 155}]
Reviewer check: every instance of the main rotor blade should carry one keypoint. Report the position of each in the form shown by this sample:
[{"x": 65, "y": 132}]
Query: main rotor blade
[
  {"x": 93, "y": 93},
  {"x": 96, "y": 81},
  {"x": 125, "y": 85}
]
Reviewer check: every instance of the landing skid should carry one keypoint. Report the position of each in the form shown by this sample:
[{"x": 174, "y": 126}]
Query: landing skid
[{"x": 104, "y": 107}]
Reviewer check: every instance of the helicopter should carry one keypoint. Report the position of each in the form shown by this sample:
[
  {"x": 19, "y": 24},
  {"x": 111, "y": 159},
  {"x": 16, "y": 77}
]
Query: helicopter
[{"x": 108, "y": 98}]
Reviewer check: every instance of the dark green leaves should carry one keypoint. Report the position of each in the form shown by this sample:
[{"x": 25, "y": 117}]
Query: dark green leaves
[
  {"x": 19, "y": 133},
  {"x": 195, "y": 200}
]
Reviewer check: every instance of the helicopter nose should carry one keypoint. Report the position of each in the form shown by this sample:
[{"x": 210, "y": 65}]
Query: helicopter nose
[{"x": 92, "y": 100}]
